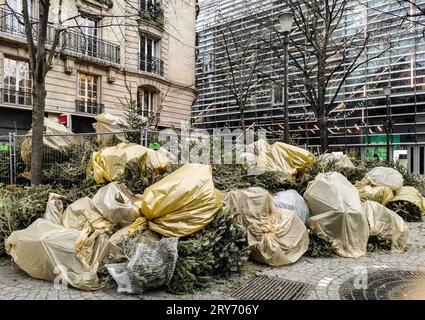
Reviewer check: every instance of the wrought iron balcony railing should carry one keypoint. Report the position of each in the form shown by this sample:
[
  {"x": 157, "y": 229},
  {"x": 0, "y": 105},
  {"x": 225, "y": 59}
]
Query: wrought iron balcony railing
[
  {"x": 17, "y": 98},
  {"x": 73, "y": 40},
  {"x": 11, "y": 23},
  {"x": 91, "y": 46},
  {"x": 89, "y": 107},
  {"x": 151, "y": 64}
]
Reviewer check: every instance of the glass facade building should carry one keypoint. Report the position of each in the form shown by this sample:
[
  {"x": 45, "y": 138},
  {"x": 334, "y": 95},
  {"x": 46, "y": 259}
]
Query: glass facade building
[{"x": 358, "y": 120}]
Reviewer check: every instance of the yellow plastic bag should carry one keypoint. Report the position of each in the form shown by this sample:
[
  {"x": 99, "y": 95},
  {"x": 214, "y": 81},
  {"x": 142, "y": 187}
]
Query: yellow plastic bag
[
  {"x": 282, "y": 157},
  {"x": 275, "y": 236},
  {"x": 386, "y": 224},
  {"x": 182, "y": 203},
  {"x": 107, "y": 164},
  {"x": 380, "y": 194}
]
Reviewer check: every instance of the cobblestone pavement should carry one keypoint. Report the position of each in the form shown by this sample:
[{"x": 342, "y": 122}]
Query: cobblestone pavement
[{"x": 326, "y": 275}]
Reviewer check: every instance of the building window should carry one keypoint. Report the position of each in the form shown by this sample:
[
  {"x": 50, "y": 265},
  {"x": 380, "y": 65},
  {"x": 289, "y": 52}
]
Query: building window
[
  {"x": 9, "y": 22},
  {"x": 149, "y": 52},
  {"x": 148, "y": 5},
  {"x": 89, "y": 36},
  {"x": 277, "y": 94},
  {"x": 146, "y": 101},
  {"x": 88, "y": 94},
  {"x": 17, "y": 82},
  {"x": 18, "y": 6}
]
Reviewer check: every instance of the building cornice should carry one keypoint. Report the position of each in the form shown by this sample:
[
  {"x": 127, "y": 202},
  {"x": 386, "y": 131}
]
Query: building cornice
[{"x": 160, "y": 79}]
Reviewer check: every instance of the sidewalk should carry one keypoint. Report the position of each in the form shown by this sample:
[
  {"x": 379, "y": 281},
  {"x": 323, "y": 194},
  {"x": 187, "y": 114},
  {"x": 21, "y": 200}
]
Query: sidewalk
[{"x": 325, "y": 275}]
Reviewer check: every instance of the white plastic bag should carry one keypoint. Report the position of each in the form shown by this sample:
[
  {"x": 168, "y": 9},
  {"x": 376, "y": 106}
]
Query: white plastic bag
[
  {"x": 291, "y": 200},
  {"x": 151, "y": 266},
  {"x": 385, "y": 177}
]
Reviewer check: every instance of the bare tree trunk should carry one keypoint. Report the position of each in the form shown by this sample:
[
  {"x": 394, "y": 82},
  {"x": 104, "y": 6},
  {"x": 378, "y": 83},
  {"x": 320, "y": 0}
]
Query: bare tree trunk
[
  {"x": 324, "y": 144},
  {"x": 242, "y": 112},
  {"x": 321, "y": 101},
  {"x": 39, "y": 103}
]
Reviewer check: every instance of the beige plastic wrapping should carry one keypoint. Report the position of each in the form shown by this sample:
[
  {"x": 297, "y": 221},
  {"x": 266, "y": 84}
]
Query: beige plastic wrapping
[
  {"x": 107, "y": 164},
  {"x": 117, "y": 204},
  {"x": 337, "y": 212},
  {"x": 54, "y": 208},
  {"x": 51, "y": 127},
  {"x": 109, "y": 123},
  {"x": 275, "y": 236},
  {"x": 341, "y": 161},
  {"x": 410, "y": 194},
  {"x": 182, "y": 203},
  {"x": 83, "y": 215},
  {"x": 384, "y": 177},
  {"x": 46, "y": 250},
  {"x": 386, "y": 224},
  {"x": 383, "y": 195},
  {"x": 282, "y": 157}
]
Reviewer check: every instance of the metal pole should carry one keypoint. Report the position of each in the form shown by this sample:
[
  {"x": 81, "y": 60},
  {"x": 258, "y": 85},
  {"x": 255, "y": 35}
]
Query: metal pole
[
  {"x": 10, "y": 158},
  {"x": 285, "y": 86},
  {"x": 387, "y": 128},
  {"x": 14, "y": 157}
]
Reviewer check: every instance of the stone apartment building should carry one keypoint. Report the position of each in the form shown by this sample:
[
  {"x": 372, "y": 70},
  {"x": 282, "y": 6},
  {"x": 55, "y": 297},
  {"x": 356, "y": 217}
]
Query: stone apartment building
[{"x": 142, "y": 50}]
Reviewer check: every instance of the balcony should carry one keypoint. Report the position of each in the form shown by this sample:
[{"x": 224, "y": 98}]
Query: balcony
[
  {"x": 91, "y": 46},
  {"x": 72, "y": 40},
  {"x": 151, "y": 64},
  {"x": 152, "y": 13},
  {"x": 89, "y": 107},
  {"x": 16, "y": 98},
  {"x": 9, "y": 23}
]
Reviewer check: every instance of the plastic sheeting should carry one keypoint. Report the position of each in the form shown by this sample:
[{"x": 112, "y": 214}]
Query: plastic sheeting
[
  {"x": 107, "y": 164},
  {"x": 386, "y": 224},
  {"x": 109, "y": 123},
  {"x": 54, "y": 208},
  {"x": 292, "y": 200},
  {"x": 83, "y": 215},
  {"x": 151, "y": 266},
  {"x": 410, "y": 194},
  {"x": 58, "y": 138},
  {"x": 275, "y": 236},
  {"x": 337, "y": 212},
  {"x": 46, "y": 250},
  {"x": 384, "y": 177},
  {"x": 282, "y": 157},
  {"x": 341, "y": 161},
  {"x": 182, "y": 203},
  {"x": 117, "y": 203},
  {"x": 382, "y": 195}
]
